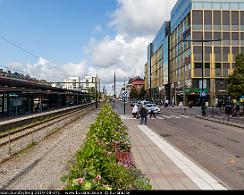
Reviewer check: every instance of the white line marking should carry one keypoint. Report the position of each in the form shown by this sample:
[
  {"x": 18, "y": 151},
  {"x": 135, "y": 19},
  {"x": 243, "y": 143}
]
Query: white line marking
[
  {"x": 202, "y": 179},
  {"x": 175, "y": 116},
  {"x": 160, "y": 118},
  {"x": 185, "y": 116},
  {"x": 166, "y": 116}
]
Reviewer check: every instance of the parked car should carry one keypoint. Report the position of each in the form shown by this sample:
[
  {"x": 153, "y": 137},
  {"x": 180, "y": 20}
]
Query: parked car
[
  {"x": 144, "y": 103},
  {"x": 153, "y": 107}
]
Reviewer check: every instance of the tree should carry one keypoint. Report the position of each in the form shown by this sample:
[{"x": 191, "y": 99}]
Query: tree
[
  {"x": 133, "y": 93},
  {"x": 142, "y": 92},
  {"x": 236, "y": 81}
]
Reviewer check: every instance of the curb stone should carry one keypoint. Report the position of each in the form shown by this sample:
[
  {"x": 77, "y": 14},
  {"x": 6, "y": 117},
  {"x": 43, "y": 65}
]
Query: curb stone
[{"x": 221, "y": 122}]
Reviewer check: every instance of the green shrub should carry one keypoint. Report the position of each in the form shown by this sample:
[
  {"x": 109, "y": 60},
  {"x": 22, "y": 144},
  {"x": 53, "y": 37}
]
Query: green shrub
[{"x": 95, "y": 166}]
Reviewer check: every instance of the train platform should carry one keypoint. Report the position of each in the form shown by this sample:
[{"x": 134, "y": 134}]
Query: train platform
[
  {"x": 16, "y": 121},
  {"x": 166, "y": 166}
]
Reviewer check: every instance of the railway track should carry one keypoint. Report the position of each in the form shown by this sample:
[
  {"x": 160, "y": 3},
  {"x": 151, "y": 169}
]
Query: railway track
[{"x": 17, "y": 140}]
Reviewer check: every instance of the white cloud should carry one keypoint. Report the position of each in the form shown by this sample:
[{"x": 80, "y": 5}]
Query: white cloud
[
  {"x": 136, "y": 23},
  {"x": 44, "y": 69},
  {"x": 141, "y": 17}
]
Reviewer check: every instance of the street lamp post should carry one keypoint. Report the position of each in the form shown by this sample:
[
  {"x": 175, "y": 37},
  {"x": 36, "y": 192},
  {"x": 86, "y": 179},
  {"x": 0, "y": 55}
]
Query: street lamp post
[
  {"x": 202, "y": 90},
  {"x": 124, "y": 92}
]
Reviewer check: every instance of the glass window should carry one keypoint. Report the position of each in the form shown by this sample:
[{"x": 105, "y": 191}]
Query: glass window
[
  {"x": 218, "y": 65},
  {"x": 216, "y": 6},
  {"x": 225, "y": 6},
  {"x": 207, "y": 5},
  {"x": 197, "y": 35},
  {"x": 234, "y": 6},
  {"x": 208, "y": 51},
  {"x": 226, "y": 18},
  {"x": 235, "y": 36},
  {"x": 242, "y": 18},
  {"x": 217, "y": 20},
  {"x": 198, "y": 65},
  {"x": 208, "y": 36},
  {"x": 197, "y": 53},
  {"x": 208, "y": 17},
  {"x": 235, "y": 18},
  {"x": 207, "y": 65},
  {"x": 217, "y": 35},
  {"x": 226, "y": 52},
  {"x": 197, "y": 20},
  {"x": 217, "y": 52},
  {"x": 226, "y": 38},
  {"x": 242, "y": 50},
  {"x": 226, "y": 65},
  {"x": 242, "y": 36}
]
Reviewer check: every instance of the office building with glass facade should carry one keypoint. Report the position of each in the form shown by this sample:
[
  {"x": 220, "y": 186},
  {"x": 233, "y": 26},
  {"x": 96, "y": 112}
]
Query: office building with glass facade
[
  {"x": 208, "y": 20},
  {"x": 157, "y": 67}
]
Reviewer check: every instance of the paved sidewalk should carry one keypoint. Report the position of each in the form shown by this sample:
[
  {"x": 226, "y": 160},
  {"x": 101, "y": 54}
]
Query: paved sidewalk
[{"x": 166, "y": 167}]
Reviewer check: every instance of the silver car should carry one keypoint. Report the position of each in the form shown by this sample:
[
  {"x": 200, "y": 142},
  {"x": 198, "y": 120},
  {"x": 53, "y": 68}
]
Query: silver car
[{"x": 153, "y": 107}]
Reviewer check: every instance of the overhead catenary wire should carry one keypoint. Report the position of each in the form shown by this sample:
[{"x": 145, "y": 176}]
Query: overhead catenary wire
[{"x": 29, "y": 53}]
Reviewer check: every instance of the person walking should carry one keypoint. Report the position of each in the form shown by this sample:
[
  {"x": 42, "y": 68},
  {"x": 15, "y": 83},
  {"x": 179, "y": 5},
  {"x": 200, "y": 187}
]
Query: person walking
[
  {"x": 143, "y": 114},
  {"x": 152, "y": 113},
  {"x": 135, "y": 111}
]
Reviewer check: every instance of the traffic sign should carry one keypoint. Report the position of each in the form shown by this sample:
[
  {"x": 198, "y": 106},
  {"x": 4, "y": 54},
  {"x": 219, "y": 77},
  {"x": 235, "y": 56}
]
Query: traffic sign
[
  {"x": 203, "y": 94},
  {"x": 125, "y": 94}
]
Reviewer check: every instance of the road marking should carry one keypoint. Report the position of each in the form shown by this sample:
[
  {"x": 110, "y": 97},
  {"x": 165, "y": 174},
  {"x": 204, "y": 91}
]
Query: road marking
[
  {"x": 175, "y": 116},
  {"x": 166, "y": 116},
  {"x": 185, "y": 116},
  {"x": 160, "y": 118},
  {"x": 202, "y": 179}
]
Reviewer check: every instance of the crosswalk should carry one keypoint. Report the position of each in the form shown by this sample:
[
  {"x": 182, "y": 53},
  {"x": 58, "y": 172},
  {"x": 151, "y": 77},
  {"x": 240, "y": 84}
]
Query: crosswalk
[{"x": 160, "y": 117}]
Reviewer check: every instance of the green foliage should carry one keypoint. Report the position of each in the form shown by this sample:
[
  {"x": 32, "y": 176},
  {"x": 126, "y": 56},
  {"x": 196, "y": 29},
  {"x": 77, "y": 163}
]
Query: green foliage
[
  {"x": 142, "y": 93},
  {"x": 236, "y": 81},
  {"x": 133, "y": 93},
  {"x": 95, "y": 166}
]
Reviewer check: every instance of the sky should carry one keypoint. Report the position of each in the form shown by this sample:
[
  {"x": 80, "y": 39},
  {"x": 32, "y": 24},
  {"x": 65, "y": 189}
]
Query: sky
[{"x": 79, "y": 37}]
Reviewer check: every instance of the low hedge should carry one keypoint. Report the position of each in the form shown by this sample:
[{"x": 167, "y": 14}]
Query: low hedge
[{"x": 95, "y": 166}]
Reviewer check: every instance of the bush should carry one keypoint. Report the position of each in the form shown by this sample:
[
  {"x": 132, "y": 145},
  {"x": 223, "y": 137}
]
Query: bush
[{"x": 96, "y": 167}]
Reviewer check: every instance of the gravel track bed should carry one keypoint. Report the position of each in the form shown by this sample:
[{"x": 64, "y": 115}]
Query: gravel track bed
[
  {"x": 41, "y": 166},
  {"x": 48, "y": 128}
]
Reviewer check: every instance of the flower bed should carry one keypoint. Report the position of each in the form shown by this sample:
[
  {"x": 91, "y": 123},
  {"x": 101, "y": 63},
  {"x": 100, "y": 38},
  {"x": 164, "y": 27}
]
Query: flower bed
[{"x": 98, "y": 164}]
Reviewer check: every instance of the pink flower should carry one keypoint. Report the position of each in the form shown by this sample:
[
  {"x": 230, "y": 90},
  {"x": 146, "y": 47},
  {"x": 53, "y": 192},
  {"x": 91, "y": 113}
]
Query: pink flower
[
  {"x": 98, "y": 177},
  {"x": 80, "y": 180}
]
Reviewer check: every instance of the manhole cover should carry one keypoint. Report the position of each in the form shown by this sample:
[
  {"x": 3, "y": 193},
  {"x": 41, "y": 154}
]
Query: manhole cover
[{"x": 165, "y": 135}]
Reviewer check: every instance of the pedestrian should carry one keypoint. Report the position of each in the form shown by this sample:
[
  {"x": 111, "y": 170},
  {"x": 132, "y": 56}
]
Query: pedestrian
[
  {"x": 152, "y": 113},
  {"x": 143, "y": 114},
  {"x": 135, "y": 111},
  {"x": 166, "y": 103}
]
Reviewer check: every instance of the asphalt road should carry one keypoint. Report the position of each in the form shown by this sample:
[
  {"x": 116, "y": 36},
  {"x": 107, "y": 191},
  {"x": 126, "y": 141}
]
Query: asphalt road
[{"x": 218, "y": 148}]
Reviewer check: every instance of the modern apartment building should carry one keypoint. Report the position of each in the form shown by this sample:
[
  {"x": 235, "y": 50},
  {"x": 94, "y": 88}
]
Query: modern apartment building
[
  {"x": 72, "y": 83},
  {"x": 207, "y": 20}
]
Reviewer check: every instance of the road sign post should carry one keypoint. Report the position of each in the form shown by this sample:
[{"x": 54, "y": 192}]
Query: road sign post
[{"x": 124, "y": 98}]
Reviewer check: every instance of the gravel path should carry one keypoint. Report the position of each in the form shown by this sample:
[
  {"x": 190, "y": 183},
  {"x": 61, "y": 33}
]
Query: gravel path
[{"x": 41, "y": 166}]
